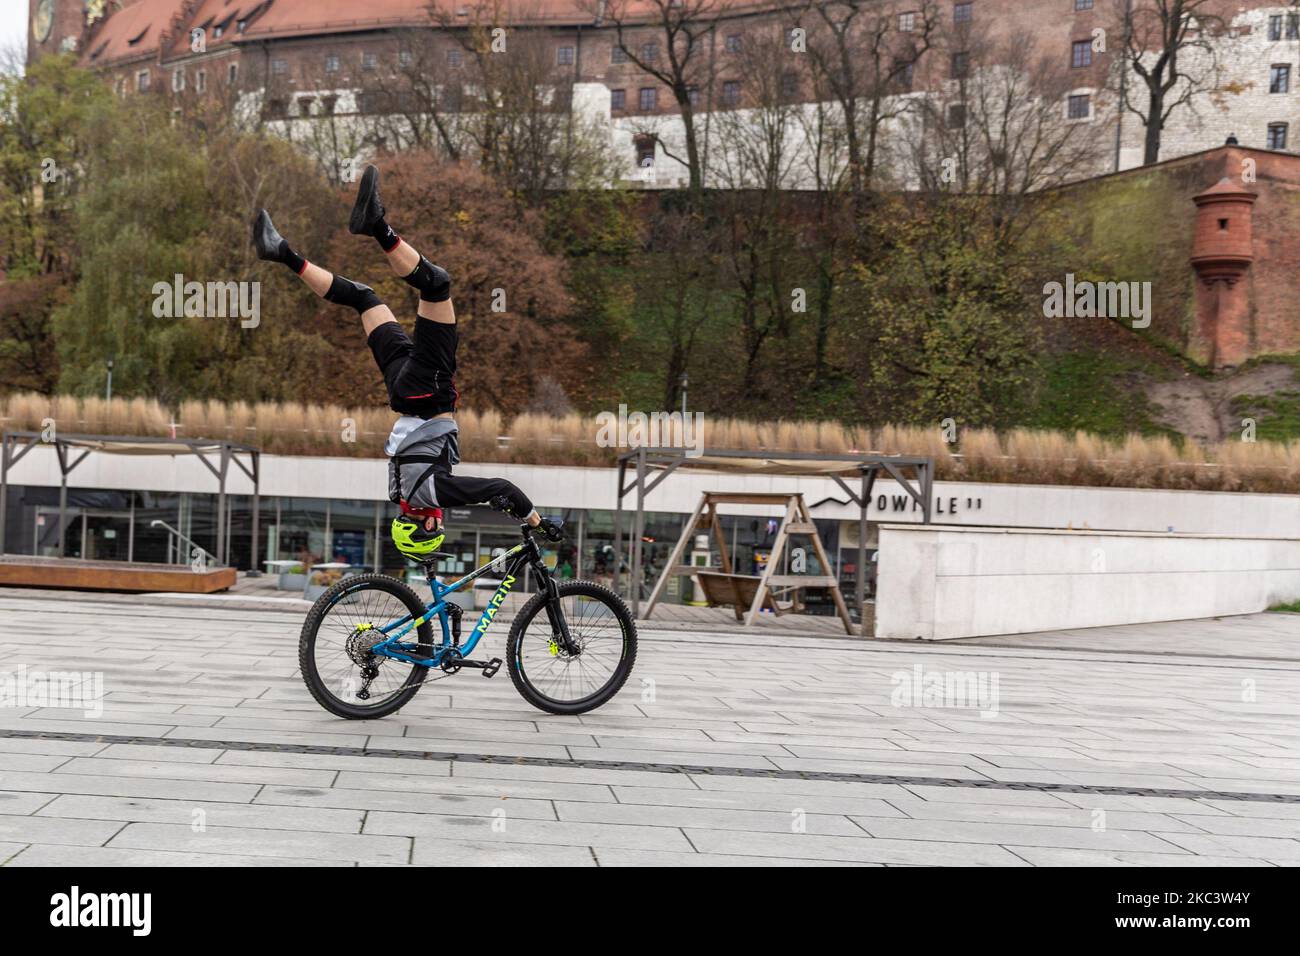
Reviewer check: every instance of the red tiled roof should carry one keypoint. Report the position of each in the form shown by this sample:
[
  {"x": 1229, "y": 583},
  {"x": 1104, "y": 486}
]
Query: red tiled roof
[
  {"x": 132, "y": 31},
  {"x": 338, "y": 16},
  {"x": 137, "y": 28}
]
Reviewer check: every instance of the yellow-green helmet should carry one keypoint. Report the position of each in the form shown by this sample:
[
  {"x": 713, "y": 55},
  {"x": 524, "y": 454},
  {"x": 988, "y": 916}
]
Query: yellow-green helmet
[{"x": 411, "y": 538}]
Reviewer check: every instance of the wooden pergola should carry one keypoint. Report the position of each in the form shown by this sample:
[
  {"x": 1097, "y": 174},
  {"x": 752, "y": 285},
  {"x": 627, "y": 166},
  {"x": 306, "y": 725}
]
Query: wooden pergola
[{"x": 652, "y": 466}]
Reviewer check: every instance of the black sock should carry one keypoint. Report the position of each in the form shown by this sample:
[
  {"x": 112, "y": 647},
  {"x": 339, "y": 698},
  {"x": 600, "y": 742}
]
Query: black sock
[
  {"x": 432, "y": 281},
  {"x": 353, "y": 294},
  {"x": 384, "y": 234},
  {"x": 290, "y": 258}
]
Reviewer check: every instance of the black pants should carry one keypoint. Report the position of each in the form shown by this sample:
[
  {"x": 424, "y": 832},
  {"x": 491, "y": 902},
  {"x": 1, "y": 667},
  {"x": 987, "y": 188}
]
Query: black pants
[
  {"x": 460, "y": 490},
  {"x": 419, "y": 375}
]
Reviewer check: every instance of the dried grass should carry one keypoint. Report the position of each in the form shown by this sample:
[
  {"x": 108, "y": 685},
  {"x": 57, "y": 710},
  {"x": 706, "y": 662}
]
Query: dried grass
[{"x": 1021, "y": 455}]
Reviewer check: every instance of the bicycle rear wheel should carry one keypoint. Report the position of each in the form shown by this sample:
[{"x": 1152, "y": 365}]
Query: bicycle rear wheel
[
  {"x": 334, "y": 647},
  {"x": 550, "y": 678}
]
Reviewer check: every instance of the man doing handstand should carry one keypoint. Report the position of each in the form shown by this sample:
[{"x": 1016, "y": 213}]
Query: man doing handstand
[{"x": 419, "y": 376}]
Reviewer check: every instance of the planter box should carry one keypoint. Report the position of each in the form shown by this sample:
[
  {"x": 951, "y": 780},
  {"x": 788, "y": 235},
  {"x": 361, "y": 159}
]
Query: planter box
[{"x": 292, "y": 582}]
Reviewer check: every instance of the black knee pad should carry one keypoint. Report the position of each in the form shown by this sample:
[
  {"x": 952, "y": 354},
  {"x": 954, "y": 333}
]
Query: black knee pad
[
  {"x": 353, "y": 294},
  {"x": 433, "y": 281}
]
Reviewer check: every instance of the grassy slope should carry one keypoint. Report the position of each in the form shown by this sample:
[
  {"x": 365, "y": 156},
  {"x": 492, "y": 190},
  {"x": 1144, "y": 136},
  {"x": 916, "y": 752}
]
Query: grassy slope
[{"x": 1278, "y": 414}]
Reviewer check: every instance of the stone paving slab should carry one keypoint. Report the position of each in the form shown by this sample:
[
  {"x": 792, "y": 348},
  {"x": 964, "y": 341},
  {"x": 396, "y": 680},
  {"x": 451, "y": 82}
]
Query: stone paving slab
[{"x": 1110, "y": 747}]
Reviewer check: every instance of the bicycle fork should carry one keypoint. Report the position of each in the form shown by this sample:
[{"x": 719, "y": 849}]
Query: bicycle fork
[{"x": 554, "y": 613}]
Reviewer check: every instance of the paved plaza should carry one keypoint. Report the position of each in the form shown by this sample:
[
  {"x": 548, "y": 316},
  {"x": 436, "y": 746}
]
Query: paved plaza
[{"x": 1169, "y": 744}]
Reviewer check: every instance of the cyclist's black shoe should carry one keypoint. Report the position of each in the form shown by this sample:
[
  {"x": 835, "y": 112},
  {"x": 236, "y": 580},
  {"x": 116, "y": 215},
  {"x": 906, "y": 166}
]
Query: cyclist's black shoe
[
  {"x": 369, "y": 209},
  {"x": 270, "y": 245},
  {"x": 551, "y": 529}
]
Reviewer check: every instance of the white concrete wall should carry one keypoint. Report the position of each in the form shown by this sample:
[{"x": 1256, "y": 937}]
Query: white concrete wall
[{"x": 945, "y": 583}]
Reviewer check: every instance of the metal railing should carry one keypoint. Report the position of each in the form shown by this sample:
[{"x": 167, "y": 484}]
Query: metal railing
[{"x": 175, "y": 537}]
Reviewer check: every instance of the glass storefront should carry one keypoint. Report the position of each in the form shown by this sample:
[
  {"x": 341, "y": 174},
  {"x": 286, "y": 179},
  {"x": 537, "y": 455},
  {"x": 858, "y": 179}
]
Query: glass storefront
[{"x": 164, "y": 527}]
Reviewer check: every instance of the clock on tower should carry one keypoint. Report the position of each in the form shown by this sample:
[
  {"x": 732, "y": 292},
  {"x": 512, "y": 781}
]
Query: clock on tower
[{"x": 42, "y": 20}]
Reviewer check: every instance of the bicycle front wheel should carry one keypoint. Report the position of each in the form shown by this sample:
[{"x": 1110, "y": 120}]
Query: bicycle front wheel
[{"x": 552, "y": 679}]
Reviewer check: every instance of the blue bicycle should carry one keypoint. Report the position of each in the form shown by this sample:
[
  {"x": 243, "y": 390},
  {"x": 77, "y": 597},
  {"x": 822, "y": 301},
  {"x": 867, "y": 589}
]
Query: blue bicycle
[{"x": 369, "y": 642}]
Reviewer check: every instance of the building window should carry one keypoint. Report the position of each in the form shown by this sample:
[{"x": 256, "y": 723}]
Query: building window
[
  {"x": 201, "y": 81},
  {"x": 693, "y": 96},
  {"x": 277, "y": 108},
  {"x": 369, "y": 61},
  {"x": 564, "y": 56},
  {"x": 789, "y": 84},
  {"x": 1279, "y": 78},
  {"x": 178, "y": 81},
  {"x": 618, "y": 99},
  {"x": 1081, "y": 53},
  {"x": 617, "y": 54},
  {"x": 304, "y": 105},
  {"x": 142, "y": 81},
  {"x": 1082, "y": 4},
  {"x": 332, "y": 63},
  {"x": 731, "y": 92},
  {"x": 327, "y": 104},
  {"x": 960, "y": 65},
  {"x": 649, "y": 99},
  {"x": 906, "y": 22},
  {"x": 645, "y": 152},
  {"x": 217, "y": 31},
  {"x": 1079, "y": 106},
  {"x": 241, "y": 26},
  {"x": 649, "y": 52},
  {"x": 962, "y": 12},
  {"x": 1277, "y": 135},
  {"x": 454, "y": 58},
  {"x": 232, "y": 73},
  {"x": 732, "y": 43},
  {"x": 1275, "y": 27},
  {"x": 1293, "y": 26},
  {"x": 956, "y": 115},
  {"x": 903, "y": 75},
  {"x": 279, "y": 67},
  {"x": 404, "y": 58}
]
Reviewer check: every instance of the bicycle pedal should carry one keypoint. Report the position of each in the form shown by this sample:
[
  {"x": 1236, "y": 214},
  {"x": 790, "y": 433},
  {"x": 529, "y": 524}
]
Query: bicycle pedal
[{"x": 491, "y": 667}]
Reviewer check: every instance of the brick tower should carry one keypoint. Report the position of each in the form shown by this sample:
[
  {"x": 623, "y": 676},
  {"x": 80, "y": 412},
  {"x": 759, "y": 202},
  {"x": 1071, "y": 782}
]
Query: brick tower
[
  {"x": 56, "y": 26},
  {"x": 1222, "y": 251}
]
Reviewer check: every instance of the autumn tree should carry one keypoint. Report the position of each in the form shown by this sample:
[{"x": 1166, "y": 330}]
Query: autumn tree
[{"x": 511, "y": 301}]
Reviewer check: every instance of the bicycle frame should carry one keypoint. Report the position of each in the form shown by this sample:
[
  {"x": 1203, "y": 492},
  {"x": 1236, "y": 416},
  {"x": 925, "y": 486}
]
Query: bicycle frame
[{"x": 514, "y": 560}]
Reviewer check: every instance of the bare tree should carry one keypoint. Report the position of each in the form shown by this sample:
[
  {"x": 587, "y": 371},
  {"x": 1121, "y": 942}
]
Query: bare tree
[
  {"x": 518, "y": 98},
  {"x": 757, "y": 145},
  {"x": 1004, "y": 129},
  {"x": 864, "y": 53},
  {"x": 415, "y": 95},
  {"x": 758, "y": 136},
  {"x": 1174, "y": 47},
  {"x": 671, "y": 41}
]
